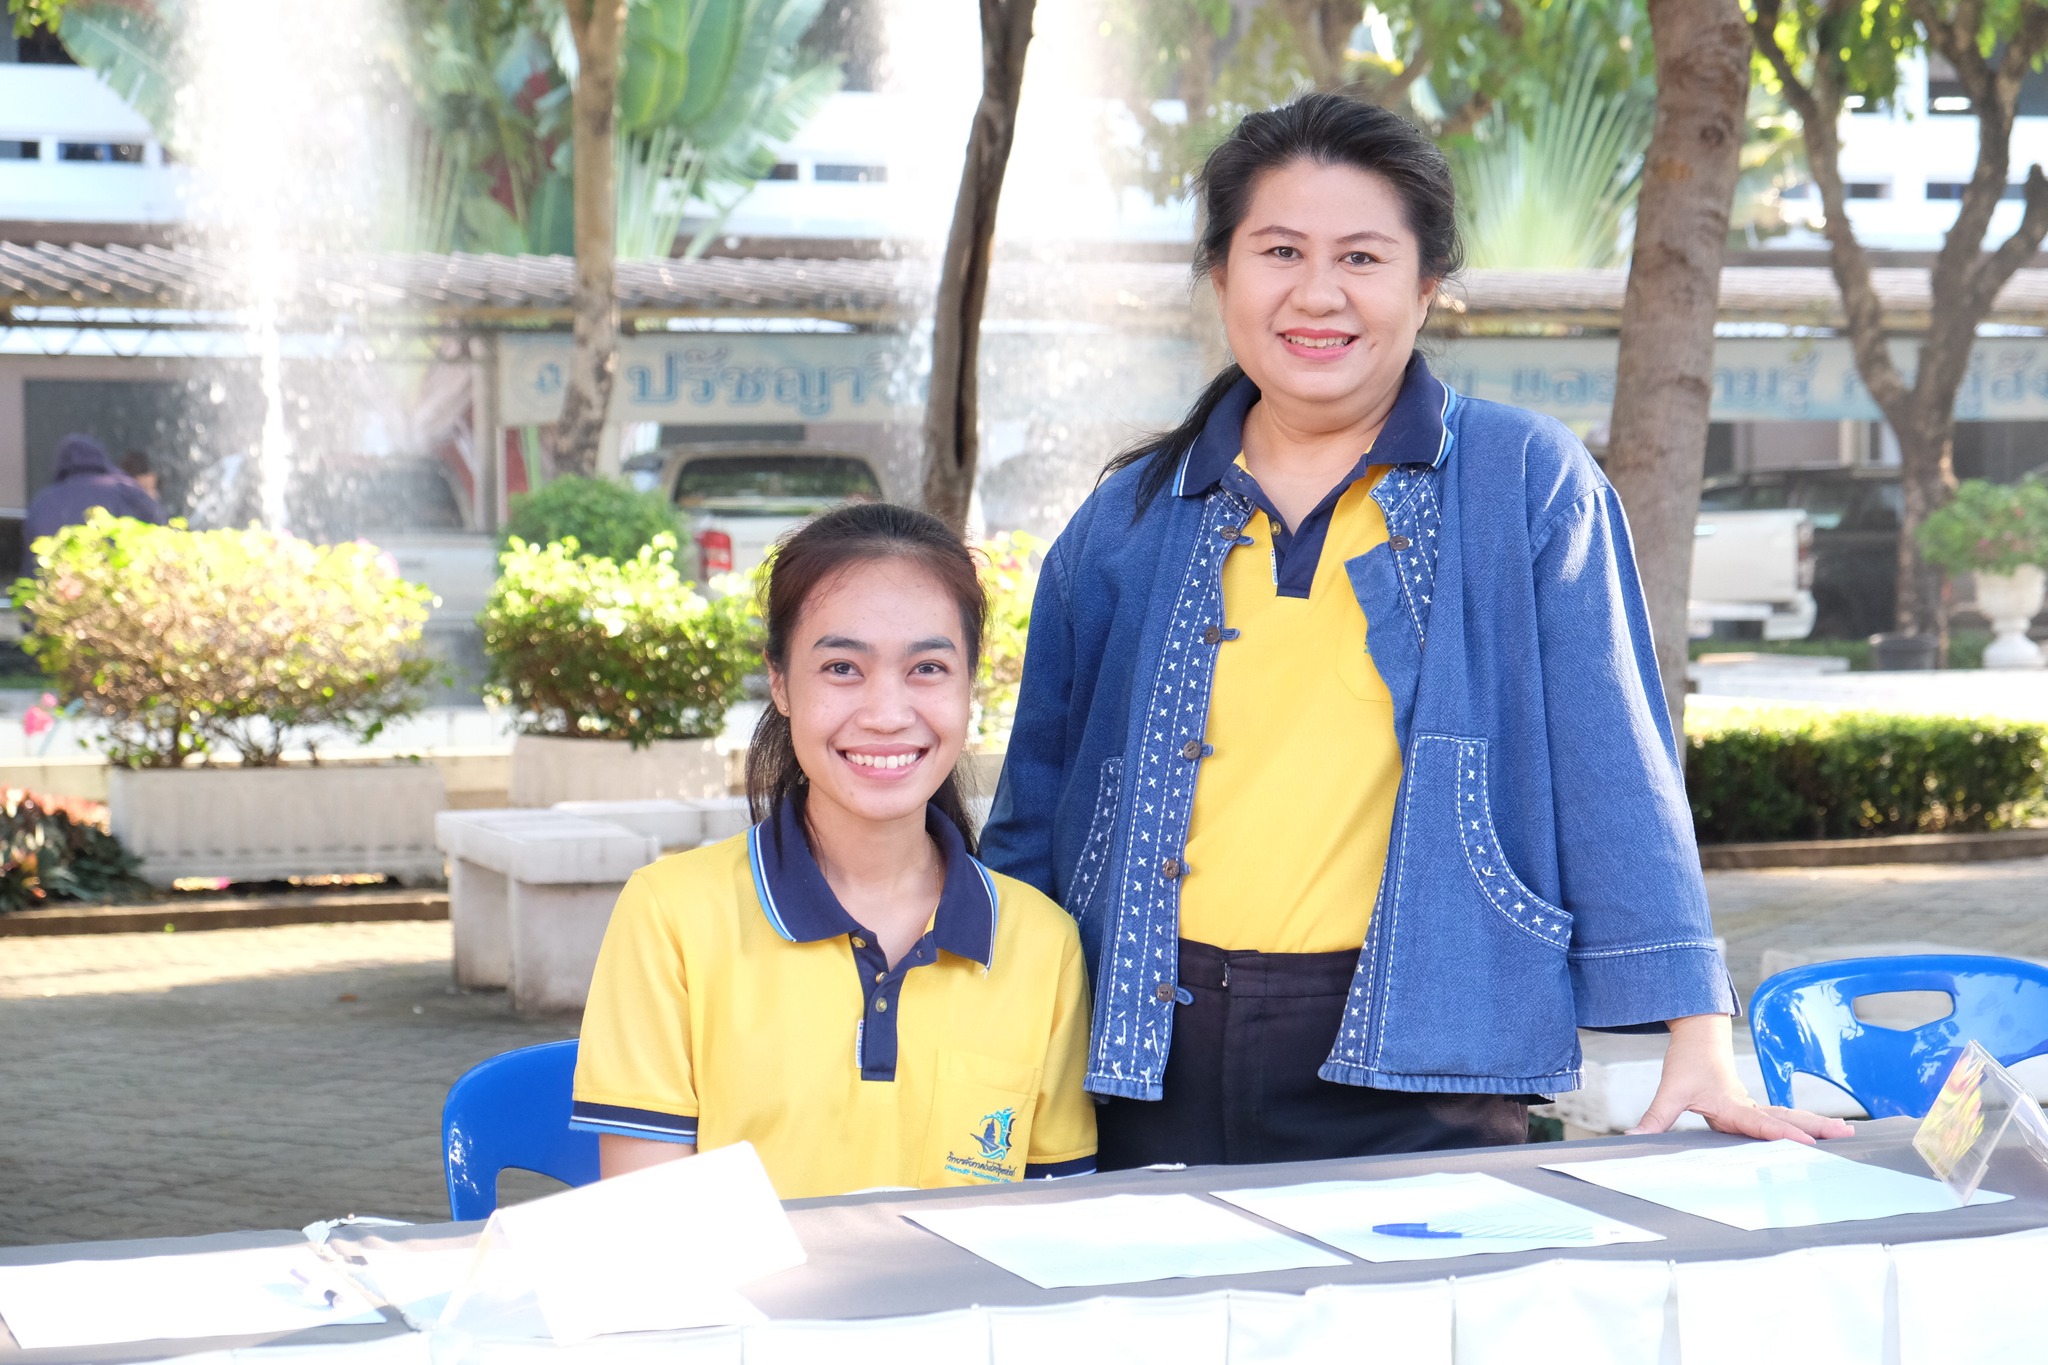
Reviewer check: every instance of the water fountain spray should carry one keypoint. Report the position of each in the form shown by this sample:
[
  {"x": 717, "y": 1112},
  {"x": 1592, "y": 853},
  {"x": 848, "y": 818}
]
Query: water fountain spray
[{"x": 285, "y": 123}]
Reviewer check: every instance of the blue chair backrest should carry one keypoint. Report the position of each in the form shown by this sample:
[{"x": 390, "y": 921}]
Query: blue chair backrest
[
  {"x": 1805, "y": 1020},
  {"x": 512, "y": 1112}
]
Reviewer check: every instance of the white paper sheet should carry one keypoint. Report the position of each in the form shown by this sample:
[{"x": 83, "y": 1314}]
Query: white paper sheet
[
  {"x": 660, "y": 1249},
  {"x": 1431, "y": 1217},
  {"x": 1758, "y": 1185},
  {"x": 1120, "y": 1239},
  {"x": 253, "y": 1292}
]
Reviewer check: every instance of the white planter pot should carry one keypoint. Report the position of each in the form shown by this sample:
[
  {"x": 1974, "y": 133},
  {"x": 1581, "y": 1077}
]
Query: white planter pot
[
  {"x": 2011, "y": 600},
  {"x": 550, "y": 768},
  {"x": 251, "y": 824}
]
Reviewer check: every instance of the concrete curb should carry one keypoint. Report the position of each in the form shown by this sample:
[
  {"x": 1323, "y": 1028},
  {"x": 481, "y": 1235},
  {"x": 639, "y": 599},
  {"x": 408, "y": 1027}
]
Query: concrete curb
[
  {"x": 252, "y": 912},
  {"x": 1897, "y": 848}
]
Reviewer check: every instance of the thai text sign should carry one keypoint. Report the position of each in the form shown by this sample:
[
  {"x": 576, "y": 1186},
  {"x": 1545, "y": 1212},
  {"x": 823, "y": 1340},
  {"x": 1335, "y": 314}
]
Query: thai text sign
[
  {"x": 1147, "y": 380},
  {"x": 1754, "y": 379},
  {"x": 724, "y": 377}
]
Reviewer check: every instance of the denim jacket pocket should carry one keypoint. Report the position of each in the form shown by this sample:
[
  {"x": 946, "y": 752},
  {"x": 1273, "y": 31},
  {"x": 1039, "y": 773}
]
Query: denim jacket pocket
[
  {"x": 1095, "y": 848},
  {"x": 1478, "y": 981}
]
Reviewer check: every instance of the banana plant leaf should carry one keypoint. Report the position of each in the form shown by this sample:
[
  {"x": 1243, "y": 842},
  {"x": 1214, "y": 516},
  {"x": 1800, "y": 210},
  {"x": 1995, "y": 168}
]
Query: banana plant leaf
[
  {"x": 1556, "y": 193},
  {"x": 135, "y": 52},
  {"x": 713, "y": 48},
  {"x": 655, "y": 72},
  {"x": 551, "y": 217},
  {"x": 765, "y": 51}
]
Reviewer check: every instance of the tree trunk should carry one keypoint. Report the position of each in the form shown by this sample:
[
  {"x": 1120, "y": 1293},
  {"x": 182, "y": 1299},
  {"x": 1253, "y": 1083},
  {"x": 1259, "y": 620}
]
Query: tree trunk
[
  {"x": 598, "y": 27},
  {"x": 1965, "y": 280},
  {"x": 1657, "y": 444},
  {"x": 1927, "y": 478},
  {"x": 951, "y": 443}
]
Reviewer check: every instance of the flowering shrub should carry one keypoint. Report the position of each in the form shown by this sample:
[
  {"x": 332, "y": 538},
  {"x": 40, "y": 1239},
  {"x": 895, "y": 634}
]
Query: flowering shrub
[
  {"x": 1010, "y": 561},
  {"x": 1988, "y": 528},
  {"x": 178, "y": 641},
  {"x": 58, "y": 848},
  {"x": 585, "y": 645}
]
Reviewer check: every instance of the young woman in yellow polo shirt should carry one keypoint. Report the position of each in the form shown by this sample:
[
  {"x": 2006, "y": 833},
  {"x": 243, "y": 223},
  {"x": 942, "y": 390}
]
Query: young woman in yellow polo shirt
[{"x": 844, "y": 985}]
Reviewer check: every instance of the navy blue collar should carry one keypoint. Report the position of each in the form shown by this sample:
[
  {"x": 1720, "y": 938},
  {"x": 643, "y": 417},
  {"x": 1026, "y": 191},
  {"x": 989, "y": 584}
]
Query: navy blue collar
[
  {"x": 1414, "y": 434},
  {"x": 801, "y": 906}
]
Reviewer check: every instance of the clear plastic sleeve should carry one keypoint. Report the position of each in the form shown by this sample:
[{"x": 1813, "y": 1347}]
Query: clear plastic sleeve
[{"x": 1977, "y": 1106}]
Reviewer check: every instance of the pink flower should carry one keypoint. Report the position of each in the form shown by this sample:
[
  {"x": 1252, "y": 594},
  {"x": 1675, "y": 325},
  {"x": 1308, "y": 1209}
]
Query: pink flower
[{"x": 37, "y": 721}]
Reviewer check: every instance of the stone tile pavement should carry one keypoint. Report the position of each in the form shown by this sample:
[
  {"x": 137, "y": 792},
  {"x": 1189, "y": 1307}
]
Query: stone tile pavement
[
  {"x": 161, "y": 1085},
  {"x": 1988, "y": 907},
  {"x": 170, "y": 1084}
]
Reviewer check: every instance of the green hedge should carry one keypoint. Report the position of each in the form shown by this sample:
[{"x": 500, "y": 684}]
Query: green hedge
[
  {"x": 1804, "y": 775},
  {"x": 604, "y": 517}
]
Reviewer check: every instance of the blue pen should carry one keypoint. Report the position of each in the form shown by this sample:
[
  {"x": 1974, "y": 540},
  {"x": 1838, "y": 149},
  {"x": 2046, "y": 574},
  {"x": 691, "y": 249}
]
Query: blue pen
[{"x": 1413, "y": 1230}]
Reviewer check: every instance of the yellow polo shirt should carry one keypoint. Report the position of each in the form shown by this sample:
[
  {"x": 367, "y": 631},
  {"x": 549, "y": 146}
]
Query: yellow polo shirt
[
  {"x": 1294, "y": 808},
  {"x": 736, "y": 999}
]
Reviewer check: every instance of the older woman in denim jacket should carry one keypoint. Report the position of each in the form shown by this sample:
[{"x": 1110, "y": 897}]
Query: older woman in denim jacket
[{"x": 1341, "y": 733}]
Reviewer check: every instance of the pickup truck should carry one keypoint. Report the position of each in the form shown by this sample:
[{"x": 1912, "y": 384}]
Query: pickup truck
[{"x": 1752, "y": 574}]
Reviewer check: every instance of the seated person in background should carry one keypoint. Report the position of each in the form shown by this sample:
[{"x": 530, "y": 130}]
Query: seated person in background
[
  {"x": 135, "y": 464},
  {"x": 85, "y": 479},
  {"x": 844, "y": 986}
]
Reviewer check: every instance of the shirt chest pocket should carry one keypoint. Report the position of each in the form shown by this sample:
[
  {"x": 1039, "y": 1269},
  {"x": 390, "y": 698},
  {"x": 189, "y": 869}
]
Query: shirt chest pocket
[
  {"x": 980, "y": 1126},
  {"x": 1361, "y": 678}
]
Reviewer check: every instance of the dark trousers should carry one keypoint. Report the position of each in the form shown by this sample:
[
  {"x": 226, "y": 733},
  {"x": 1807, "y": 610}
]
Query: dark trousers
[{"x": 1241, "y": 1083}]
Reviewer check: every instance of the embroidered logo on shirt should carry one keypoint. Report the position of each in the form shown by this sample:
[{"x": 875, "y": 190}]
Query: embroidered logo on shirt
[{"x": 994, "y": 1143}]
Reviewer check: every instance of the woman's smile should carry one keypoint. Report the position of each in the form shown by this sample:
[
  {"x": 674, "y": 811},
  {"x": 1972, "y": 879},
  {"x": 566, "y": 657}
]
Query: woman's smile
[
  {"x": 1311, "y": 343},
  {"x": 884, "y": 763}
]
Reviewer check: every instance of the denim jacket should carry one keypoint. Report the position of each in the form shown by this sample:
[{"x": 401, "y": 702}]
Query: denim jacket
[{"x": 1541, "y": 874}]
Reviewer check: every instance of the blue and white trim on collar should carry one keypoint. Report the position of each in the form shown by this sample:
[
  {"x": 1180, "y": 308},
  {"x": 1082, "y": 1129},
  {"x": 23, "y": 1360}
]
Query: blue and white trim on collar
[
  {"x": 1417, "y": 430},
  {"x": 801, "y": 907}
]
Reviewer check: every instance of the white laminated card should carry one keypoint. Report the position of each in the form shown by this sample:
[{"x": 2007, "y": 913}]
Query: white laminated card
[{"x": 657, "y": 1250}]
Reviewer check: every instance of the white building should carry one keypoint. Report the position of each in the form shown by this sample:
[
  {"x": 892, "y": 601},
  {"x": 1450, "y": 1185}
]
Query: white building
[{"x": 1905, "y": 166}]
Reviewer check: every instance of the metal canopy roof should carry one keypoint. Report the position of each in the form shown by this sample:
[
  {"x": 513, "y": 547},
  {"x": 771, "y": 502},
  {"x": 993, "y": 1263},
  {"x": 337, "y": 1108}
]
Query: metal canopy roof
[{"x": 478, "y": 293}]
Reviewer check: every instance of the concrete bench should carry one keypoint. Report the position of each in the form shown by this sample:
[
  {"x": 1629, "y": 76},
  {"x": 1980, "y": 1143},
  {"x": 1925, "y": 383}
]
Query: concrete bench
[
  {"x": 675, "y": 824},
  {"x": 530, "y": 891},
  {"x": 529, "y": 895}
]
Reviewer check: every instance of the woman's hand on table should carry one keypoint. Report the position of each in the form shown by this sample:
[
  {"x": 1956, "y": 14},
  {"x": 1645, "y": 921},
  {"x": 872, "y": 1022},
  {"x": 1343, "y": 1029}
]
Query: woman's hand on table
[{"x": 1699, "y": 1078}]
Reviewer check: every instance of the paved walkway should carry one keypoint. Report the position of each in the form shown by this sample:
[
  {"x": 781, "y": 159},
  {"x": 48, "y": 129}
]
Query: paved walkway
[
  {"x": 1985, "y": 907},
  {"x": 167, "y": 1084},
  {"x": 159, "y": 1085}
]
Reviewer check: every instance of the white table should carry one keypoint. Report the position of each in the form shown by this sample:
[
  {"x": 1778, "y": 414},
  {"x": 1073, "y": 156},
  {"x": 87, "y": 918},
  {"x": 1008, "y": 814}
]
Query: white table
[{"x": 1928, "y": 1289}]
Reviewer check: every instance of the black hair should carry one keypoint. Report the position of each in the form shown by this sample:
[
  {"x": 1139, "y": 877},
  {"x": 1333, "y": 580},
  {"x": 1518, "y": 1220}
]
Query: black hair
[
  {"x": 812, "y": 556},
  {"x": 1330, "y": 130}
]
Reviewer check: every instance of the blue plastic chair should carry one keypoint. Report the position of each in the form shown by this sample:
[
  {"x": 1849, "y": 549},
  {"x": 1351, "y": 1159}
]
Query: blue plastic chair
[
  {"x": 512, "y": 1113},
  {"x": 1804, "y": 1020}
]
